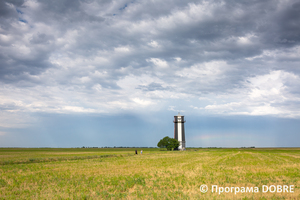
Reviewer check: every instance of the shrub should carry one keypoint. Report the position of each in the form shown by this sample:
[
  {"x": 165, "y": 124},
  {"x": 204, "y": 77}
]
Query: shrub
[{"x": 169, "y": 143}]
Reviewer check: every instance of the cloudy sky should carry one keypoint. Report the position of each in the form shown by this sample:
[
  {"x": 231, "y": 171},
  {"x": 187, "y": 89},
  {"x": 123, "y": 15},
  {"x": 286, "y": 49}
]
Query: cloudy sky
[{"x": 114, "y": 73}]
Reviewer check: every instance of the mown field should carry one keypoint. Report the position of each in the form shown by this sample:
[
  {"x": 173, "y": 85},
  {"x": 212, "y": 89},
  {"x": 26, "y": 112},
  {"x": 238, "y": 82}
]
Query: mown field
[{"x": 119, "y": 174}]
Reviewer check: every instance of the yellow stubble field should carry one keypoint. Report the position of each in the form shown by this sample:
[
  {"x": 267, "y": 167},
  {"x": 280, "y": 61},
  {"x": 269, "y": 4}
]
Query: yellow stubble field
[{"x": 117, "y": 173}]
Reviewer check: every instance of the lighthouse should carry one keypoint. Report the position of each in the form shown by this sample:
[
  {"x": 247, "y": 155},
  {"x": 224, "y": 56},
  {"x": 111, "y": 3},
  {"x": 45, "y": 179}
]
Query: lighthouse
[{"x": 179, "y": 133}]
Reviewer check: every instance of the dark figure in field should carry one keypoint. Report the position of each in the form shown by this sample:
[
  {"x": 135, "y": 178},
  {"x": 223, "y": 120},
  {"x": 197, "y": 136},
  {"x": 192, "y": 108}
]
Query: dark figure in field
[{"x": 135, "y": 152}]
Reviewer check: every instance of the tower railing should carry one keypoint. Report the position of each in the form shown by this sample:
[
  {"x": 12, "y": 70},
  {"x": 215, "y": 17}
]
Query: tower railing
[{"x": 179, "y": 121}]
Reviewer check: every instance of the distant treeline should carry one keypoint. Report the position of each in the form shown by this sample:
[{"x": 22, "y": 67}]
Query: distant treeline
[
  {"x": 156, "y": 147},
  {"x": 124, "y": 147},
  {"x": 217, "y": 147},
  {"x": 117, "y": 147}
]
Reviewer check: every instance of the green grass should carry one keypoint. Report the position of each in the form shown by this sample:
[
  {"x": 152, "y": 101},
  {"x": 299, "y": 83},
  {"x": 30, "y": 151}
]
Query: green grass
[{"x": 119, "y": 174}]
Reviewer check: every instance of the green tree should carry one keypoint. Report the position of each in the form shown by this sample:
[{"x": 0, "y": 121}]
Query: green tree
[{"x": 169, "y": 143}]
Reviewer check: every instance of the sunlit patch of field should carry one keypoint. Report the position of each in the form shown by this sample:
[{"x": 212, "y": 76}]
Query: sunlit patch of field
[{"x": 118, "y": 173}]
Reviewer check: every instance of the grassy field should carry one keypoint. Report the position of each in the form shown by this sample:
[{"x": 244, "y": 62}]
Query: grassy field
[{"x": 119, "y": 174}]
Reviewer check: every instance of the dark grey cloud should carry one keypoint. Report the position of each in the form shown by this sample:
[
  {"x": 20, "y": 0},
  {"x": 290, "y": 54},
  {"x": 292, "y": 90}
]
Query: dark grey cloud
[
  {"x": 152, "y": 87},
  {"x": 41, "y": 38},
  {"x": 7, "y": 8},
  {"x": 65, "y": 14},
  {"x": 287, "y": 28}
]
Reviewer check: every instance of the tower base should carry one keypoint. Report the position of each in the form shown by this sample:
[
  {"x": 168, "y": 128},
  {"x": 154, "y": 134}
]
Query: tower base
[{"x": 181, "y": 145}]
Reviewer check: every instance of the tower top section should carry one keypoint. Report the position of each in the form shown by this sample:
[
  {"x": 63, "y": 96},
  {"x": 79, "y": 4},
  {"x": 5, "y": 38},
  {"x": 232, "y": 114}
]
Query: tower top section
[{"x": 179, "y": 118}]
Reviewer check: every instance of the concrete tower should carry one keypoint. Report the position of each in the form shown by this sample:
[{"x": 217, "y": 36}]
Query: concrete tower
[{"x": 179, "y": 132}]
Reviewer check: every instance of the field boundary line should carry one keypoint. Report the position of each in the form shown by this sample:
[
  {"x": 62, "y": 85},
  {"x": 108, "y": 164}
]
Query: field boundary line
[{"x": 41, "y": 160}]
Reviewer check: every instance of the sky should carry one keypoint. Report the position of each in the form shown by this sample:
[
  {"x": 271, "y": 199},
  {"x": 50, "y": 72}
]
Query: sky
[{"x": 115, "y": 73}]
